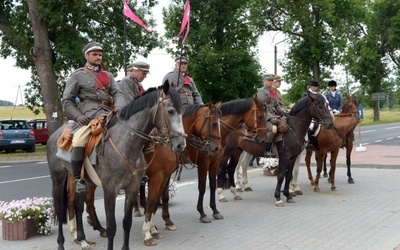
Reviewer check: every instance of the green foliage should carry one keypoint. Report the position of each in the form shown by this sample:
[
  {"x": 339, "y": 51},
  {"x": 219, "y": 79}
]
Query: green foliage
[
  {"x": 71, "y": 25},
  {"x": 218, "y": 47}
]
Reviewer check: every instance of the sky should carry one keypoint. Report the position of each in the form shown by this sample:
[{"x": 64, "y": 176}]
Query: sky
[{"x": 14, "y": 79}]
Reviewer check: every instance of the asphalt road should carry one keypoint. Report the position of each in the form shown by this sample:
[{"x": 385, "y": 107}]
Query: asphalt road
[{"x": 19, "y": 180}]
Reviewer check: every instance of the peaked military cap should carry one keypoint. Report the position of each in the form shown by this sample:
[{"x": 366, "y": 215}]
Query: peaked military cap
[
  {"x": 269, "y": 77},
  {"x": 278, "y": 78},
  {"x": 181, "y": 59},
  {"x": 145, "y": 67},
  {"x": 314, "y": 83},
  {"x": 92, "y": 46}
]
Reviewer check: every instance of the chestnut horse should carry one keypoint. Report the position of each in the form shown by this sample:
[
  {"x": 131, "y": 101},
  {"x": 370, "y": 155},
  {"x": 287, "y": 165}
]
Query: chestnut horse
[
  {"x": 121, "y": 163},
  {"x": 252, "y": 113},
  {"x": 331, "y": 140}
]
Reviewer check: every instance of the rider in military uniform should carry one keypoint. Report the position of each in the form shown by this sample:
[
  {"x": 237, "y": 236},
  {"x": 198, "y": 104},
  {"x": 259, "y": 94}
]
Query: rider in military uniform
[
  {"x": 98, "y": 94},
  {"x": 179, "y": 79},
  {"x": 274, "y": 110},
  {"x": 131, "y": 85}
]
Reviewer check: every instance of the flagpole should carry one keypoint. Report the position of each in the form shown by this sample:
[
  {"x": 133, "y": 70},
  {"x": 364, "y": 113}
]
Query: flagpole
[{"x": 125, "y": 52}]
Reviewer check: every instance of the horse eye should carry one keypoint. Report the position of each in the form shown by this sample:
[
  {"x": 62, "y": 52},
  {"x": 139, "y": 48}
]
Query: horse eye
[
  {"x": 171, "y": 112},
  {"x": 215, "y": 124}
]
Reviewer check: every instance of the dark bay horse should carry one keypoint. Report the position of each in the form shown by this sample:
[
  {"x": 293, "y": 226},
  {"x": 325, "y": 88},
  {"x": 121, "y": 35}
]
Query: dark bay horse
[
  {"x": 299, "y": 119},
  {"x": 251, "y": 112},
  {"x": 331, "y": 140},
  {"x": 202, "y": 126},
  {"x": 121, "y": 165}
]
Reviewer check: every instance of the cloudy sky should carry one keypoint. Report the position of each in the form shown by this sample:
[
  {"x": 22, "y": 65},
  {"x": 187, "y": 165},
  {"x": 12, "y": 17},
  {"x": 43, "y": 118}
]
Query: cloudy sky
[{"x": 13, "y": 79}]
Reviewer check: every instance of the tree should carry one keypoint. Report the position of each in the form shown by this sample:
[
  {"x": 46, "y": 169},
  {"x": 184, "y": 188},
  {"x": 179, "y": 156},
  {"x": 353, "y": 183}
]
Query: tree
[
  {"x": 372, "y": 57},
  {"x": 219, "y": 47},
  {"x": 318, "y": 32},
  {"x": 47, "y": 37}
]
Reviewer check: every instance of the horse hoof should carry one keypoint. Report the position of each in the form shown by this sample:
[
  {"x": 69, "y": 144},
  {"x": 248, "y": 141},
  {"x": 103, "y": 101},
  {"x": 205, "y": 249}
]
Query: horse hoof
[
  {"x": 292, "y": 194},
  {"x": 298, "y": 192},
  {"x": 103, "y": 234},
  {"x": 279, "y": 204},
  {"x": 316, "y": 189},
  {"x": 248, "y": 189},
  {"x": 223, "y": 199},
  {"x": 333, "y": 188},
  {"x": 205, "y": 219},
  {"x": 291, "y": 200},
  {"x": 239, "y": 189},
  {"x": 350, "y": 181},
  {"x": 157, "y": 236},
  {"x": 170, "y": 227},
  {"x": 325, "y": 175},
  {"x": 150, "y": 242},
  {"x": 238, "y": 198},
  {"x": 137, "y": 214},
  {"x": 218, "y": 216}
]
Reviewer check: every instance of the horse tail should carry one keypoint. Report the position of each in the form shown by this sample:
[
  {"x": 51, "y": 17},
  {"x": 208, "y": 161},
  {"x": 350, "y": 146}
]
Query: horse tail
[
  {"x": 60, "y": 215},
  {"x": 65, "y": 201}
]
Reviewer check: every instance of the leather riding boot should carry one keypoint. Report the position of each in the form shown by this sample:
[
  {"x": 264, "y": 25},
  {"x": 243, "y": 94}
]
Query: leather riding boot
[
  {"x": 267, "y": 150},
  {"x": 76, "y": 162}
]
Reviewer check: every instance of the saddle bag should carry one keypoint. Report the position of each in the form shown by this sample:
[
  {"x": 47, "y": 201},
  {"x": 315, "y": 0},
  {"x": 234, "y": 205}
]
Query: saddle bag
[{"x": 64, "y": 142}]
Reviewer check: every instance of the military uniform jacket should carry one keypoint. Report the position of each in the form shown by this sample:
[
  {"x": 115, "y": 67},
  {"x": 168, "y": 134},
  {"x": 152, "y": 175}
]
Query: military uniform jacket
[
  {"x": 130, "y": 88},
  {"x": 188, "y": 92},
  {"x": 82, "y": 85},
  {"x": 334, "y": 102},
  {"x": 273, "y": 107}
]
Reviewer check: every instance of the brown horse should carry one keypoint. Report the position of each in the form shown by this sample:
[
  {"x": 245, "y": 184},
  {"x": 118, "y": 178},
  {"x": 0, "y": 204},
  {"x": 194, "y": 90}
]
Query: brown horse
[
  {"x": 251, "y": 112},
  {"x": 331, "y": 140}
]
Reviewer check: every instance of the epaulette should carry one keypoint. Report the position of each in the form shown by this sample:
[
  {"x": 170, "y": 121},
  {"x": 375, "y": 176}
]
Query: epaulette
[{"x": 78, "y": 70}]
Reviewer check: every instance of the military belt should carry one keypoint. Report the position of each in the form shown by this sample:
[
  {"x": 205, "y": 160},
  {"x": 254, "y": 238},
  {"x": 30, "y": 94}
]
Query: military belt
[{"x": 101, "y": 102}]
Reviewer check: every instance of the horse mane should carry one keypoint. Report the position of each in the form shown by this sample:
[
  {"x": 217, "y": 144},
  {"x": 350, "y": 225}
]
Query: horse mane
[
  {"x": 304, "y": 102},
  {"x": 148, "y": 99},
  {"x": 192, "y": 109},
  {"x": 233, "y": 107}
]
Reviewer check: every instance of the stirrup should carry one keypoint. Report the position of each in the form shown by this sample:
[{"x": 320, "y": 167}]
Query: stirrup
[{"x": 81, "y": 186}]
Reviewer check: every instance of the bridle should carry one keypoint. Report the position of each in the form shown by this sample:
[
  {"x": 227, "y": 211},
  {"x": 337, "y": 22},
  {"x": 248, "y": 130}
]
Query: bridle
[
  {"x": 200, "y": 143},
  {"x": 254, "y": 131}
]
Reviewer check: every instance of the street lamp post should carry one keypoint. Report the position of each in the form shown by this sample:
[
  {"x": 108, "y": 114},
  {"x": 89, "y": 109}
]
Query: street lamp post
[{"x": 276, "y": 52}]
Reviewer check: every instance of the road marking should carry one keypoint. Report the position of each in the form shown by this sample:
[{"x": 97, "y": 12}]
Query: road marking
[
  {"x": 393, "y": 127},
  {"x": 390, "y": 138},
  {"x": 7, "y": 166},
  {"x": 25, "y": 179},
  {"x": 367, "y": 131},
  {"x": 378, "y": 141}
]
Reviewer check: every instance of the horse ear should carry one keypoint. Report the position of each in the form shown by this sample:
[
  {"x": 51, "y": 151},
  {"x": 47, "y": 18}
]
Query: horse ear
[
  {"x": 219, "y": 105},
  {"x": 166, "y": 87},
  {"x": 211, "y": 106},
  {"x": 256, "y": 100}
]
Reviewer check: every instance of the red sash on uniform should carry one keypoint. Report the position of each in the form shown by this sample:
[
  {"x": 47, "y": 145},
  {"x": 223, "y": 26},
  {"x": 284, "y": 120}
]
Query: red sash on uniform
[
  {"x": 102, "y": 78},
  {"x": 272, "y": 94},
  {"x": 141, "y": 90},
  {"x": 186, "y": 79}
]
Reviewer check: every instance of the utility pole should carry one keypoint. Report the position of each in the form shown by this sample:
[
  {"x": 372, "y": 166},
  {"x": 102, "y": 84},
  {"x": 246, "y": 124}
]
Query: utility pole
[{"x": 275, "y": 53}]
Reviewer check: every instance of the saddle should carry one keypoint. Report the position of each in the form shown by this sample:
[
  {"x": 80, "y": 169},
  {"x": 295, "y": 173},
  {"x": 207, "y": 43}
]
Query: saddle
[{"x": 282, "y": 128}]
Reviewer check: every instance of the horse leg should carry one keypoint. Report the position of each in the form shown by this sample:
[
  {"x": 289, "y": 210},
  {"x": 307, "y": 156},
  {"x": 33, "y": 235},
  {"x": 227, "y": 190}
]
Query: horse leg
[
  {"x": 288, "y": 178},
  {"x": 349, "y": 148},
  {"x": 245, "y": 166},
  {"x": 294, "y": 187},
  {"x": 333, "y": 169},
  {"x": 201, "y": 186},
  {"x": 237, "y": 178},
  {"x": 280, "y": 177},
  {"x": 221, "y": 179},
  {"x": 212, "y": 178},
  {"x": 92, "y": 219},
  {"x": 325, "y": 170},
  {"x": 231, "y": 169},
  {"x": 308, "y": 165},
  {"x": 169, "y": 225},
  {"x": 79, "y": 204},
  {"x": 71, "y": 210},
  {"x": 110, "y": 196},
  {"x": 319, "y": 158},
  {"x": 60, "y": 201}
]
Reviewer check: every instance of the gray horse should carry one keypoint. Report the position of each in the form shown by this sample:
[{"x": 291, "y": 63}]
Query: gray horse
[{"x": 121, "y": 163}]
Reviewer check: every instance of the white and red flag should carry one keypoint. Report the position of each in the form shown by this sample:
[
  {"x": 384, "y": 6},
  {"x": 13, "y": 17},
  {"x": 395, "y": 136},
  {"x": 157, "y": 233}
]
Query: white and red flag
[
  {"x": 185, "y": 26},
  {"x": 129, "y": 13}
]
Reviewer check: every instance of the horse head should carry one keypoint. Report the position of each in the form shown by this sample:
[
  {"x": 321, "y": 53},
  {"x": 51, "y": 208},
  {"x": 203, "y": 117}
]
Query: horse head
[
  {"x": 202, "y": 124},
  {"x": 319, "y": 110},
  {"x": 351, "y": 105},
  {"x": 256, "y": 121},
  {"x": 167, "y": 118}
]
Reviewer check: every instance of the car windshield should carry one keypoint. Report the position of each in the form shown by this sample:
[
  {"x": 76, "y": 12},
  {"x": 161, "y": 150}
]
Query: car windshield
[{"x": 14, "y": 125}]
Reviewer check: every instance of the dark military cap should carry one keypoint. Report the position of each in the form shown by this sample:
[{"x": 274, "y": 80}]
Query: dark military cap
[
  {"x": 145, "y": 67},
  {"x": 314, "y": 83},
  {"x": 92, "y": 46},
  {"x": 269, "y": 77},
  {"x": 332, "y": 83},
  {"x": 181, "y": 59}
]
